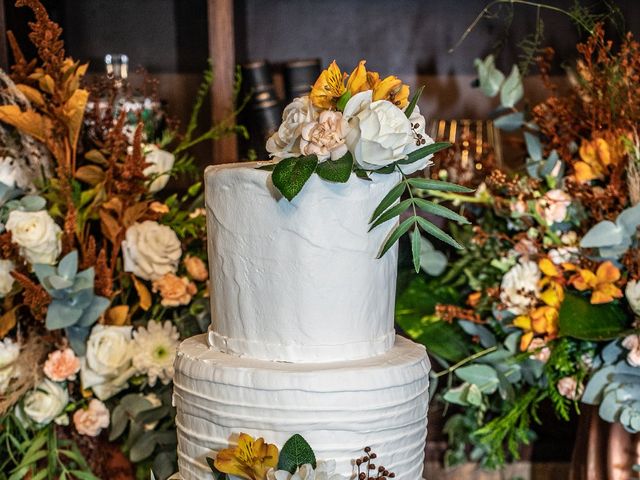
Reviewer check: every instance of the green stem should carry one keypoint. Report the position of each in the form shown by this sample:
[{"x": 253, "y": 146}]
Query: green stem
[
  {"x": 456, "y": 197},
  {"x": 464, "y": 361},
  {"x": 486, "y": 10}
]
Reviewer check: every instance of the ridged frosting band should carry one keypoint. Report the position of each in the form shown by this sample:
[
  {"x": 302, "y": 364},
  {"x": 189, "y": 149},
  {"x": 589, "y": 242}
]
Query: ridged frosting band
[
  {"x": 338, "y": 407},
  {"x": 298, "y": 281}
]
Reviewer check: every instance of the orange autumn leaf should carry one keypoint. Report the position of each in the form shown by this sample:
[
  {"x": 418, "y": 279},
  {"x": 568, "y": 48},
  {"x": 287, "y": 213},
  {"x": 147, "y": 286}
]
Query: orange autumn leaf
[
  {"x": 32, "y": 94},
  {"x": 29, "y": 122},
  {"x": 7, "y": 321},
  {"x": 117, "y": 315},
  {"x": 143, "y": 293},
  {"x": 73, "y": 112}
]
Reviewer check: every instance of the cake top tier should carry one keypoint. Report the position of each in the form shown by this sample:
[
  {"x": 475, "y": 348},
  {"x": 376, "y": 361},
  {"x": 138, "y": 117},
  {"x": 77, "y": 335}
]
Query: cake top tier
[{"x": 298, "y": 280}]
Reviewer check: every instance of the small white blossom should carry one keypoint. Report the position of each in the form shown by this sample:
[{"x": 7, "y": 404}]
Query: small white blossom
[{"x": 155, "y": 351}]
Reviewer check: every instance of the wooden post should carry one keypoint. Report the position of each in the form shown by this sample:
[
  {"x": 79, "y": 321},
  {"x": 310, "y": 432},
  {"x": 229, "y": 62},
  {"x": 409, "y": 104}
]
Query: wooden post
[
  {"x": 222, "y": 52},
  {"x": 4, "y": 53}
]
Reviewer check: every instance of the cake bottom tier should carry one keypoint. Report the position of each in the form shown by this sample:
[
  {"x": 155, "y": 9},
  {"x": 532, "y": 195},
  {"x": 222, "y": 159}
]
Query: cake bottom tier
[{"x": 339, "y": 408}]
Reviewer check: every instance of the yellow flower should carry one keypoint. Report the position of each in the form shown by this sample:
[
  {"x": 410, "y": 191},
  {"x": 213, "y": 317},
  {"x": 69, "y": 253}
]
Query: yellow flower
[
  {"x": 357, "y": 81},
  {"x": 392, "y": 89},
  {"x": 541, "y": 321},
  {"x": 328, "y": 88},
  {"x": 251, "y": 459},
  {"x": 552, "y": 284},
  {"x": 601, "y": 283},
  {"x": 595, "y": 156}
]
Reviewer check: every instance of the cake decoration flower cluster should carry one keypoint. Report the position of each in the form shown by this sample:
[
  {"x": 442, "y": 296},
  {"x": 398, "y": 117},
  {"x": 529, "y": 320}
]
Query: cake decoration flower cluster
[
  {"x": 254, "y": 459},
  {"x": 101, "y": 271},
  {"x": 363, "y": 125}
]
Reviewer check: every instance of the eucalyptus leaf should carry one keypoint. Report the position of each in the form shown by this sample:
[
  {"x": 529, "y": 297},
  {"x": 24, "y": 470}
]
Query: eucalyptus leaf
[
  {"x": 336, "y": 171},
  {"x": 487, "y": 339},
  {"x": 489, "y": 77},
  {"x": 474, "y": 395},
  {"x": 483, "y": 376},
  {"x": 511, "y": 90},
  {"x": 432, "y": 261},
  {"x": 510, "y": 122},
  {"x": 457, "y": 395},
  {"x": 291, "y": 174},
  {"x": 61, "y": 315},
  {"x": 534, "y": 147},
  {"x": 143, "y": 447}
]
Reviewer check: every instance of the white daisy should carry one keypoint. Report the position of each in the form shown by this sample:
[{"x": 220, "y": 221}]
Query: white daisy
[{"x": 155, "y": 350}]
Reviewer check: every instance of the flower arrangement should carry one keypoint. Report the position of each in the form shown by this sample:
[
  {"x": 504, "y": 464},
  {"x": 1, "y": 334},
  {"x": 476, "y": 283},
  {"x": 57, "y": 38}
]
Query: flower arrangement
[
  {"x": 254, "y": 459},
  {"x": 543, "y": 304},
  {"x": 99, "y": 276},
  {"x": 363, "y": 125}
]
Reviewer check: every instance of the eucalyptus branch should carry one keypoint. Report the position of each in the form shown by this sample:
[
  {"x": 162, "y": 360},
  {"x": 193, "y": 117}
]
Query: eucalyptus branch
[{"x": 464, "y": 361}]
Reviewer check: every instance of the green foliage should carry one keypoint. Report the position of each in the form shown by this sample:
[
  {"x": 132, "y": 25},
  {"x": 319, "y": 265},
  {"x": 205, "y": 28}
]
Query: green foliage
[
  {"x": 74, "y": 305},
  {"x": 337, "y": 171},
  {"x": 295, "y": 453},
  {"x": 585, "y": 321},
  {"x": 291, "y": 174}
]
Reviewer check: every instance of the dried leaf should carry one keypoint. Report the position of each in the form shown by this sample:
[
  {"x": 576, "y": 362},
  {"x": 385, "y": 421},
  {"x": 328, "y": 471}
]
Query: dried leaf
[
  {"x": 96, "y": 156},
  {"x": 73, "y": 111},
  {"x": 110, "y": 227},
  {"x": 143, "y": 293},
  {"x": 134, "y": 213},
  {"x": 47, "y": 84},
  {"x": 29, "y": 122},
  {"x": 117, "y": 315},
  {"x": 114, "y": 204},
  {"x": 32, "y": 94},
  {"x": 7, "y": 322},
  {"x": 91, "y": 174}
]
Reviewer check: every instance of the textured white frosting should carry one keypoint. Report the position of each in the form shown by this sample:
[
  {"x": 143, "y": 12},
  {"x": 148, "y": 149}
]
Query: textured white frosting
[
  {"x": 298, "y": 281},
  {"x": 338, "y": 407}
]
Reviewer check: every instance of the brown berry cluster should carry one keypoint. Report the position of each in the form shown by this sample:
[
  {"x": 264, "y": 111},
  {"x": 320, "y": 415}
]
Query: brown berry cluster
[{"x": 367, "y": 469}]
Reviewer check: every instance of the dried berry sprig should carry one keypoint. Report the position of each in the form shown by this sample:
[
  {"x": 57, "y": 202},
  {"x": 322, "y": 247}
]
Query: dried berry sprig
[{"x": 366, "y": 468}]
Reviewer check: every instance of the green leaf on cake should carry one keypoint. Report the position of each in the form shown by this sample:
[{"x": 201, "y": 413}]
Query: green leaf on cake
[
  {"x": 431, "y": 229},
  {"x": 424, "y": 151},
  {"x": 414, "y": 101},
  {"x": 295, "y": 453},
  {"x": 291, "y": 174},
  {"x": 416, "y": 244},
  {"x": 395, "y": 235},
  {"x": 430, "y": 184},
  {"x": 394, "y": 194},
  {"x": 440, "y": 211},
  {"x": 336, "y": 170},
  {"x": 392, "y": 212}
]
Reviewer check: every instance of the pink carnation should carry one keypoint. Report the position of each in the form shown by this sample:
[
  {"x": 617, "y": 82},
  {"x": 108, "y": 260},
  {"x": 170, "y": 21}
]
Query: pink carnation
[
  {"x": 62, "y": 365},
  {"x": 92, "y": 420},
  {"x": 569, "y": 388}
]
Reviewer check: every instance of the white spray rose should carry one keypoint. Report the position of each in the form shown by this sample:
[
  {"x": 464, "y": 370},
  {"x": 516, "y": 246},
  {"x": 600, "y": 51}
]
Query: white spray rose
[
  {"x": 379, "y": 132},
  {"x": 46, "y": 403},
  {"x": 553, "y": 206},
  {"x": 419, "y": 139},
  {"x": 6, "y": 280},
  {"x": 285, "y": 142},
  {"x": 9, "y": 352},
  {"x": 161, "y": 162},
  {"x": 324, "y": 138},
  {"x": 325, "y": 470},
  {"x": 632, "y": 292},
  {"x": 519, "y": 287},
  {"x": 37, "y": 235},
  {"x": 569, "y": 388},
  {"x": 151, "y": 250},
  {"x": 632, "y": 343},
  {"x": 107, "y": 367}
]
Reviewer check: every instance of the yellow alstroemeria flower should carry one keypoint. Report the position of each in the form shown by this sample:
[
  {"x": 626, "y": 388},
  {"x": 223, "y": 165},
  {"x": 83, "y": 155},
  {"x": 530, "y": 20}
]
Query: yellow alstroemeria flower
[
  {"x": 392, "y": 89},
  {"x": 541, "y": 321},
  {"x": 357, "y": 81},
  {"x": 251, "y": 459},
  {"x": 551, "y": 284},
  {"x": 601, "y": 283},
  {"x": 329, "y": 87},
  {"x": 595, "y": 156}
]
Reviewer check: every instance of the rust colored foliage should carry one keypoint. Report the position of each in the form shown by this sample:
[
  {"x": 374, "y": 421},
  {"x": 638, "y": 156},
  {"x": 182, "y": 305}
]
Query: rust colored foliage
[{"x": 35, "y": 296}]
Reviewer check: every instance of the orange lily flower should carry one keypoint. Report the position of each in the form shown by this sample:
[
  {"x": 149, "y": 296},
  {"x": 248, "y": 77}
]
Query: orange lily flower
[
  {"x": 329, "y": 86},
  {"x": 541, "y": 321},
  {"x": 392, "y": 89},
  {"x": 601, "y": 283},
  {"x": 250, "y": 460}
]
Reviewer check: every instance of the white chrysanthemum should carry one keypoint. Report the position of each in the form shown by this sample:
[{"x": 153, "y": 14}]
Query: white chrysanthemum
[
  {"x": 325, "y": 470},
  {"x": 519, "y": 287},
  {"x": 155, "y": 350}
]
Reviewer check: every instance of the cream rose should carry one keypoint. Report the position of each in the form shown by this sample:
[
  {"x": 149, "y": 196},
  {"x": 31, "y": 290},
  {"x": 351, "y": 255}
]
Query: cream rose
[
  {"x": 196, "y": 268},
  {"x": 325, "y": 470},
  {"x": 553, "y": 206},
  {"x": 378, "y": 133},
  {"x": 92, "y": 420},
  {"x": 632, "y": 292},
  {"x": 285, "y": 142},
  {"x": 519, "y": 287},
  {"x": 160, "y": 164},
  {"x": 37, "y": 235},
  {"x": 419, "y": 139},
  {"x": 6, "y": 280},
  {"x": 569, "y": 388},
  {"x": 151, "y": 250},
  {"x": 325, "y": 137},
  {"x": 107, "y": 367},
  {"x": 632, "y": 343},
  {"x": 62, "y": 365},
  {"x": 175, "y": 291},
  {"x": 47, "y": 402},
  {"x": 9, "y": 353}
]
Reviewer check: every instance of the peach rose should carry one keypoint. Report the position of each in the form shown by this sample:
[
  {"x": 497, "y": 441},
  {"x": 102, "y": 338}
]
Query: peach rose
[
  {"x": 539, "y": 350},
  {"x": 569, "y": 388},
  {"x": 92, "y": 420},
  {"x": 553, "y": 206},
  {"x": 62, "y": 365},
  {"x": 196, "y": 268},
  {"x": 174, "y": 290}
]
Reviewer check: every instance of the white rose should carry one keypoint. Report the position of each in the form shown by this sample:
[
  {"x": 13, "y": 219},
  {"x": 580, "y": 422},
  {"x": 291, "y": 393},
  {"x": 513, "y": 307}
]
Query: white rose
[
  {"x": 285, "y": 142},
  {"x": 6, "y": 280},
  {"x": 378, "y": 133},
  {"x": 324, "y": 138},
  {"x": 37, "y": 235},
  {"x": 419, "y": 140},
  {"x": 632, "y": 292},
  {"x": 325, "y": 470},
  {"x": 519, "y": 287},
  {"x": 632, "y": 343},
  {"x": 44, "y": 404},
  {"x": 106, "y": 368},
  {"x": 151, "y": 250},
  {"x": 161, "y": 162}
]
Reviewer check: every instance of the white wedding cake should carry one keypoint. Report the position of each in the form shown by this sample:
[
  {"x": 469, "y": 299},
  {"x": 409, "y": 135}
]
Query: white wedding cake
[{"x": 302, "y": 335}]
